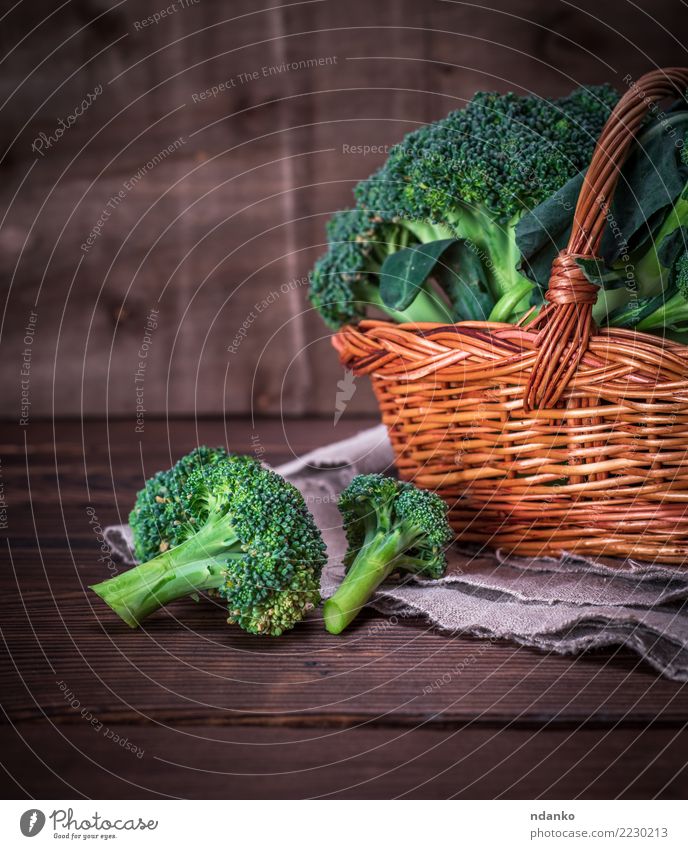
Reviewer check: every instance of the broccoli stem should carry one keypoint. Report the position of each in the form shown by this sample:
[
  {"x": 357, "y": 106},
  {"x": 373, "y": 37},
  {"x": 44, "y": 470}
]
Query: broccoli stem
[
  {"x": 374, "y": 562},
  {"x": 198, "y": 564},
  {"x": 426, "y": 306},
  {"x": 673, "y": 311},
  {"x": 506, "y": 305},
  {"x": 496, "y": 247},
  {"x": 425, "y": 231}
]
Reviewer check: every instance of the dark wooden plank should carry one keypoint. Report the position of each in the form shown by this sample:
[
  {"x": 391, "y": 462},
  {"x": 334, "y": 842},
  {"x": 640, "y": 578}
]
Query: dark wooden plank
[
  {"x": 187, "y": 664},
  {"x": 201, "y": 762}
]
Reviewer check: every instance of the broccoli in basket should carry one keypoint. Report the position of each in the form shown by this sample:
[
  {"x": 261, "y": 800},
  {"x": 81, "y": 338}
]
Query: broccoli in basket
[
  {"x": 443, "y": 210},
  {"x": 464, "y": 219},
  {"x": 390, "y": 527},
  {"x": 248, "y": 536}
]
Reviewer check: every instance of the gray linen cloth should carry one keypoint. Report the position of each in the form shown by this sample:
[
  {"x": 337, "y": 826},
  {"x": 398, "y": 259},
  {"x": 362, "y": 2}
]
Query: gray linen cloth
[{"x": 561, "y": 605}]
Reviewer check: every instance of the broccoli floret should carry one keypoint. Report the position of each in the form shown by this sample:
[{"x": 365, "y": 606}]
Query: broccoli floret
[
  {"x": 251, "y": 539},
  {"x": 469, "y": 176},
  {"x": 344, "y": 282},
  {"x": 390, "y": 527},
  {"x": 158, "y": 519},
  {"x": 503, "y": 153}
]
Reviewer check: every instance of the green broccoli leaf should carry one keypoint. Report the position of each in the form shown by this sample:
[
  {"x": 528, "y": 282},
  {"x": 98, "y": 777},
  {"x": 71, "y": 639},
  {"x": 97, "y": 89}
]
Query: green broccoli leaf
[
  {"x": 598, "y": 272},
  {"x": 545, "y": 230},
  {"x": 404, "y": 272},
  {"x": 651, "y": 181},
  {"x": 462, "y": 276}
]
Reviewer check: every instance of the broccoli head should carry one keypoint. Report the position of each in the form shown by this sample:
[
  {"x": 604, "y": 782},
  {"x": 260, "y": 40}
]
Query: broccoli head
[
  {"x": 463, "y": 181},
  {"x": 250, "y": 538},
  {"x": 390, "y": 527},
  {"x": 344, "y": 283}
]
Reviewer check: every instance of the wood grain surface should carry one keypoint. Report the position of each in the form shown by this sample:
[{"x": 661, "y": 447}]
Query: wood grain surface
[
  {"x": 235, "y": 214},
  {"x": 92, "y": 708}
]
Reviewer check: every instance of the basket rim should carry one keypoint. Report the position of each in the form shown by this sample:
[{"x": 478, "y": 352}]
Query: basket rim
[{"x": 406, "y": 352}]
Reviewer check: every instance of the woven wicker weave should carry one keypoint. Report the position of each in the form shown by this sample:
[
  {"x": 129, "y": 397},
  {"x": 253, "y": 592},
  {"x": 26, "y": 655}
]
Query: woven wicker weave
[{"x": 555, "y": 436}]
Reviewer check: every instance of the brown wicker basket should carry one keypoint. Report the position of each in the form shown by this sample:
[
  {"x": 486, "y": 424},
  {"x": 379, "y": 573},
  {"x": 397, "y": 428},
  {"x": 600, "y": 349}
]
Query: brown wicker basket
[{"x": 553, "y": 436}]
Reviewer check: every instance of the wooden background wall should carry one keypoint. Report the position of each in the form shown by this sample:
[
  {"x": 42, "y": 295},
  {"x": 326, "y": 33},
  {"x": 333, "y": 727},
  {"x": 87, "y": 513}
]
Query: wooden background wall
[{"x": 235, "y": 213}]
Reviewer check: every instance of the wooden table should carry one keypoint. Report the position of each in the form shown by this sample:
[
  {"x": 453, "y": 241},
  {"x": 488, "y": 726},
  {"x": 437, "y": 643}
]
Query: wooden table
[{"x": 189, "y": 707}]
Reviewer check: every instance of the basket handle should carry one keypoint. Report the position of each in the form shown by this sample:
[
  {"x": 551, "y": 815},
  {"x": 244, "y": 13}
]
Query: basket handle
[{"x": 565, "y": 323}]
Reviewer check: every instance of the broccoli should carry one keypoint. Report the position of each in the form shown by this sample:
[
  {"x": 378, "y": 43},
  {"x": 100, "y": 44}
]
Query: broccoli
[
  {"x": 390, "y": 526},
  {"x": 250, "y": 538},
  {"x": 460, "y": 184},
  {"x": 158, "y": 520}
]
